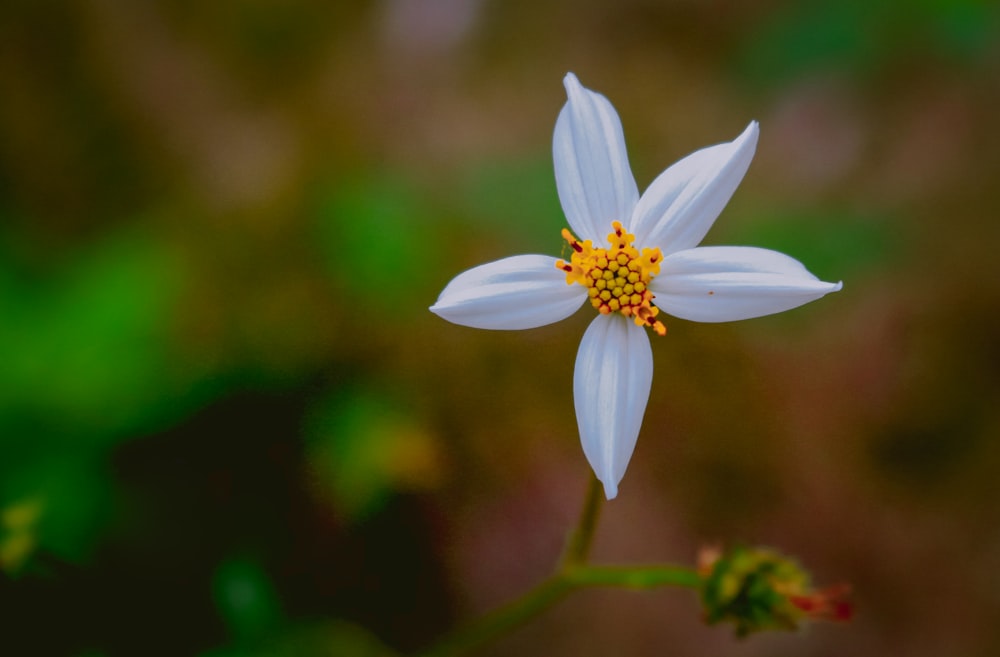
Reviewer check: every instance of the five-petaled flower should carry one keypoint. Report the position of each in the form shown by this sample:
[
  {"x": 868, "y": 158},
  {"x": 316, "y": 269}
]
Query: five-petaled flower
[{"x": 651, "y": 263}]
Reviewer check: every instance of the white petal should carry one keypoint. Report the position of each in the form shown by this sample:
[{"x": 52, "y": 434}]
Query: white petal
[
  {"x": 593, "y": 176},
  {"x": 727, "y": 283},
  {"x": 519, "y": 292},
  {"x": 614, "y": 371},
  {"x": 684, "y": 201}
]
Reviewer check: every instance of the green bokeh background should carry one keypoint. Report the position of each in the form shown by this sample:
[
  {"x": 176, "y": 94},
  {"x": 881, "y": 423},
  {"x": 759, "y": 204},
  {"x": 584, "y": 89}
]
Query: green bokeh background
[{"x": 230, "y": 427}]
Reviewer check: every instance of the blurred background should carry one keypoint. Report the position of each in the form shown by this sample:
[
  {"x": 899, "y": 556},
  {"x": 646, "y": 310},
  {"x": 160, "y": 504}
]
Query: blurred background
[{"x": 229, "y": 426}]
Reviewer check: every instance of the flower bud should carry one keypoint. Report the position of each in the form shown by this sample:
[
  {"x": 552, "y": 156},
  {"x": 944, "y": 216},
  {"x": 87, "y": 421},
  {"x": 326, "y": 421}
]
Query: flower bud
[{"x": 759, "y": 589}]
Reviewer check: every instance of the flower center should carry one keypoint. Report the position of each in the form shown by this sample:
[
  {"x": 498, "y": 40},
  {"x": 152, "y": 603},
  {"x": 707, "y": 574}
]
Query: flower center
[{"x": 617, "y": 278}]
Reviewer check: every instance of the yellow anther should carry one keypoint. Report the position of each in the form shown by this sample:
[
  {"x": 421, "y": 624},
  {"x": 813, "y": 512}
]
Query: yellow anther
[{"x": 617, "y": 277}]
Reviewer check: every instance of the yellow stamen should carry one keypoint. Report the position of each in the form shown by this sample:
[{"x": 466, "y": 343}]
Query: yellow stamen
[{"x": 617, "y": 278}]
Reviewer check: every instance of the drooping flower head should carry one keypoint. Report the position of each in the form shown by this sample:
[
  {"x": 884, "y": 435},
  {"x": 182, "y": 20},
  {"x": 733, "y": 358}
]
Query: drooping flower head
[{"x": 631, "y": 258}]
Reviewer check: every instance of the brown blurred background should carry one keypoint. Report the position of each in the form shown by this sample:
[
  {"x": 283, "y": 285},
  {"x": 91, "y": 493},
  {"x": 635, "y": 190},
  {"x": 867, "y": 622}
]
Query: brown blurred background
[{"x": 230, "y": 427}]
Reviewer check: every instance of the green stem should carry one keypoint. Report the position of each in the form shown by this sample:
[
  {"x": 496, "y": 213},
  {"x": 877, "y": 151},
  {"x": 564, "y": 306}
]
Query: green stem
[
  {"x": 634, "y": 577},
  {"x": 551, "y": 591},
  {"x": 578, "y": 548},
  {"x": 500, "y": 621},
  {"x": 573, "y": 573}
]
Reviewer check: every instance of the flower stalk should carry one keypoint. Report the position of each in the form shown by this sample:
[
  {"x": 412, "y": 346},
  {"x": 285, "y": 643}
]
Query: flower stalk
[
  {"x": 754, "y": 589},
  {"x": 578, "y": 547},
  {"x": 573, "y": 572},
  {"x": 554, "y": 589}
]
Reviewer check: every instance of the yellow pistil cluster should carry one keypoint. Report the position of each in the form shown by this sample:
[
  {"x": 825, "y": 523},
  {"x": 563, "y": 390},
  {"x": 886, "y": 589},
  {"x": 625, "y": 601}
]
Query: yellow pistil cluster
[{"x": 617, "y": 278}]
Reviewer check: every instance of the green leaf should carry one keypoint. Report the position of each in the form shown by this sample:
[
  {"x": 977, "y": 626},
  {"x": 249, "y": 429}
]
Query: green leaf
[
  {"x": 88, "y": 346},
  {"x": 377, "y": 237},
  {"x": 362, "y": 448},
  {"x": 246, "y": 600}
]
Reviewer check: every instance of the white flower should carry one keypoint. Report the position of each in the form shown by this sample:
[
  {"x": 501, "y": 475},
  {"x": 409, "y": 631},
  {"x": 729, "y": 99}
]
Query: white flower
[{"x": 614, "y": 366}]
